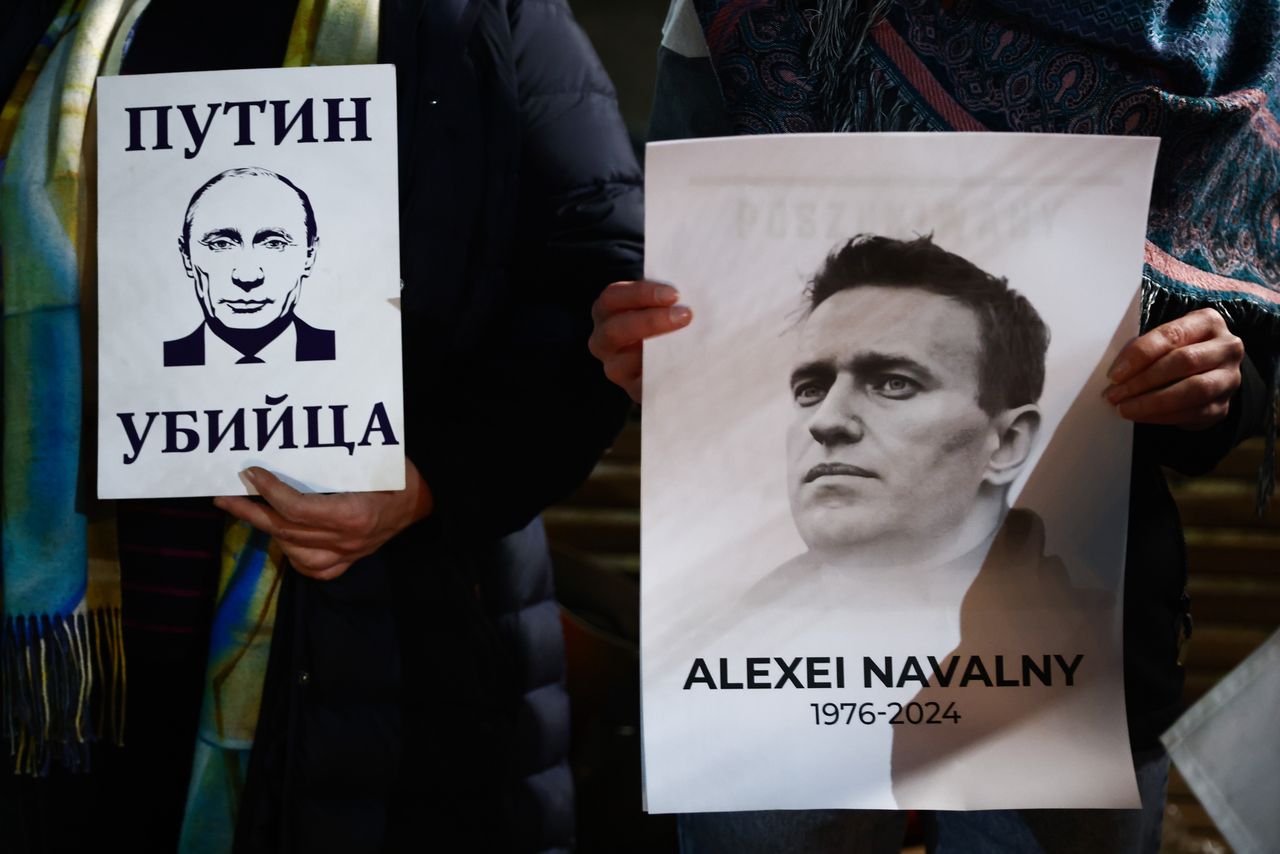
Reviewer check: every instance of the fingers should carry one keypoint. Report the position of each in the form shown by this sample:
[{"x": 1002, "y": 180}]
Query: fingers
[
  {"x": 305, "y": 549},
  {"x": 322, "y": 535},
  {"x": 1196, "y": 402},
  {"x": 266, "y": 519},
  {"x": 1201, "y": 418},
  {"x": 627, "y": 296},
  {"x": 303, "y": 513},
  {"x": 624, "y": 369},
  {"x": 1145, "y": 350},
  {"x": 629, "y": 328},
  {"x": 258, "y": 515},
  {"x": 1179, "y": 364},
  {"x": 320, "y": 564},
  {"x": 287, "y": 501},
  {"x": 1182, "y": 373},
  {"x": 625, "y": 314}
]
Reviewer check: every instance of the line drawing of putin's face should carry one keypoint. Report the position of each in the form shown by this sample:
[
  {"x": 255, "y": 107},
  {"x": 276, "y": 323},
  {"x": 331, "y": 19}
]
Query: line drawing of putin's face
[
  {"x": 909, "y": 422},
  {"x": 248, "y": 241}
]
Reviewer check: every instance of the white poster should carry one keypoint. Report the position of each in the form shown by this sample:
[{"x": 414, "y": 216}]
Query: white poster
[
  {"x": 248, "y": 281},
  {"x": 884, "y": 503}
]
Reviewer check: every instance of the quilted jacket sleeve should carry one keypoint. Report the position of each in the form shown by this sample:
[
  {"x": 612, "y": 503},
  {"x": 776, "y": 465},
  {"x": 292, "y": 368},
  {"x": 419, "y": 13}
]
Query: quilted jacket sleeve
[{"x": 548, "y": 412}]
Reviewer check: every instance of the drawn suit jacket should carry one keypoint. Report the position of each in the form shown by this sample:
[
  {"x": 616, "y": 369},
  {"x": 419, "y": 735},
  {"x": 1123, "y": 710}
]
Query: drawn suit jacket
[{"x": 313, "y": 345}]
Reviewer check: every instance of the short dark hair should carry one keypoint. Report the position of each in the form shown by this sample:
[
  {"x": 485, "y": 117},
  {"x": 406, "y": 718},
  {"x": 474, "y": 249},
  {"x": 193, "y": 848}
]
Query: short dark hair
[
  {"x": 1014, "y": 337},
  {"x": 308, "y": 214}
]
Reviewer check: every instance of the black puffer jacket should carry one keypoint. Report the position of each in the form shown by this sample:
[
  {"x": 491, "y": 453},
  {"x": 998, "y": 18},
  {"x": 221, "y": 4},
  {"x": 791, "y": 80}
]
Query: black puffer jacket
[{"x": 416, "y": 702}]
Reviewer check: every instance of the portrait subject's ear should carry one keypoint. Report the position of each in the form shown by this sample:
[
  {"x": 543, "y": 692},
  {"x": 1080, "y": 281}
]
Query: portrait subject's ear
[
  {"x": 311, "y": 257},
  {"x": 1016, "y": 431},
  {"x": 186, "y": 257}
]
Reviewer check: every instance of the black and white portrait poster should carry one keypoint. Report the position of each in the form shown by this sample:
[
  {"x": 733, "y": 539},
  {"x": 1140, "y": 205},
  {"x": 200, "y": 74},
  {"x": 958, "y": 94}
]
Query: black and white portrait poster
[
  {"x": 884, "y": 502},
  {"x": 248, "y": 281}
]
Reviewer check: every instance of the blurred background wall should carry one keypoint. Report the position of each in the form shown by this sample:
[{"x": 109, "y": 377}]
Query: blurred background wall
[{"x": 626, "y": 35}]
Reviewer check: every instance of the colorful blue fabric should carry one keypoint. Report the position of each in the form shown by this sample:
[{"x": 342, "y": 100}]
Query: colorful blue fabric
[{"x": 61, "y": 662}]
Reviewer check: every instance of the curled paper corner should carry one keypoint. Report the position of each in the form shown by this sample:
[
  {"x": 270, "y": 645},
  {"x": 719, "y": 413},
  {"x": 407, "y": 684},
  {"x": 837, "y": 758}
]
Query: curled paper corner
[{"x": 395, "y": 303}]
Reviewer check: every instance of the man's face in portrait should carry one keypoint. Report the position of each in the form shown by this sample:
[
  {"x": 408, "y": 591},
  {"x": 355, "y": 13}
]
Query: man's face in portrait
[
  {"x": 248, "y": 250},
  {"x": 888, "y": 445}
]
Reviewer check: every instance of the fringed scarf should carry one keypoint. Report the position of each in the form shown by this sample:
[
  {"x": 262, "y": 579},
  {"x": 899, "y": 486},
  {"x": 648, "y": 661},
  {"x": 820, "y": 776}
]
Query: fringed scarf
[
  {"x": 61, "y": 651},
  {"x": 1205, "y": 80},
  {"x": 62, "y": 664}
]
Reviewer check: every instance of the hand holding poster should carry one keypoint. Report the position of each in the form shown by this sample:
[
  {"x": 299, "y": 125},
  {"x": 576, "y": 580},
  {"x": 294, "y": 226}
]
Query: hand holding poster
[
  {"x": 248, "y": 281},
  {"x": 883, "y": 500}
]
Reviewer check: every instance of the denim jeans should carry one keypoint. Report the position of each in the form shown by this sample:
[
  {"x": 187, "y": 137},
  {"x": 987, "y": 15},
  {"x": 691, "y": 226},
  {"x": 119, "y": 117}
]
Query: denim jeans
[{"x": 997, "y": 831}]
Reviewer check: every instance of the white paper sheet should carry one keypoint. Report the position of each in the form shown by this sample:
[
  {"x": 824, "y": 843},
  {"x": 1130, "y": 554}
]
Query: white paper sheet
[
  {"x": 248, "y": 281},
  {"x": 819, "y": 500},
  {"x": 1226, "y": 746}
]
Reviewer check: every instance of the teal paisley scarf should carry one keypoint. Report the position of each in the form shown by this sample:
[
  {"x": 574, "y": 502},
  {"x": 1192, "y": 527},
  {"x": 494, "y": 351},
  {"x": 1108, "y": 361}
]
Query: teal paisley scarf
[{"x": 1204, "y": 77}]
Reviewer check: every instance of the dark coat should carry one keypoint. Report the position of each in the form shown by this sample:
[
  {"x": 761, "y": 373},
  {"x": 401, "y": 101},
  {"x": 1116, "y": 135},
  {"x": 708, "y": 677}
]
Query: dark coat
[{"x": 416, "y": 703}]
